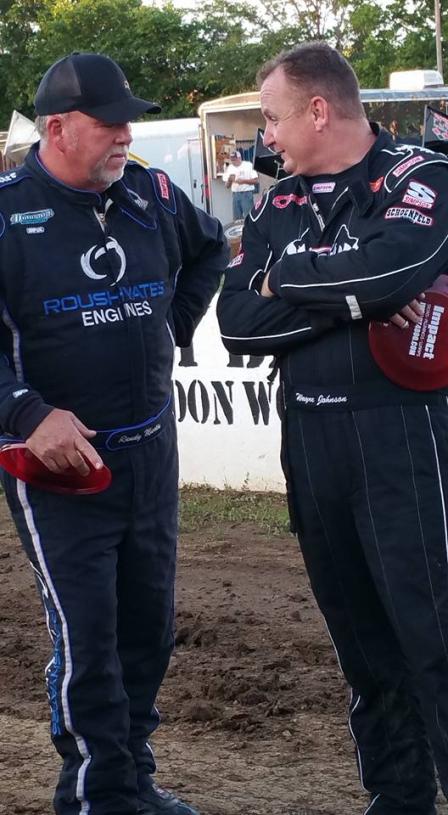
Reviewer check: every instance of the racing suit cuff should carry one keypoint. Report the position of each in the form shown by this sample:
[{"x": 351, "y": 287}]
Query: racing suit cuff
[{"x": 28, "y": 415}]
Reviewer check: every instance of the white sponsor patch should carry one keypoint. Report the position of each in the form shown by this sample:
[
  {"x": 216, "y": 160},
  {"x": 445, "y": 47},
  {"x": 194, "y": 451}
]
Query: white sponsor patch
[
  {"x": 5, "y": 178},
  {"x": 237, "y": 260},
  {"x": 409, "y": 215},
  {"x": 419, "y": 195},
  {"x": 355, "y": 311},
  {"x": 406, "y": 165},
  {"x": 35, "y": 230},
  {"x": 327, "y": 186},
  {"x": 321, "y": 399},
  {"x": 18, "y": 394}
]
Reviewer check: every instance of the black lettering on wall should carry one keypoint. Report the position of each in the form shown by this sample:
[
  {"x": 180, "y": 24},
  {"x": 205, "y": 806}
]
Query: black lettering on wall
[
  {"x": 187, "y": 359},
  {"x": 181, "y": 401},
  {"x": 237, "y": 361},
  {"x": 224, "y": 400},
  {"x": 198, "y": 401},
  {"x": 214, "y": 401},
  {"x": 259, "y": 403}
]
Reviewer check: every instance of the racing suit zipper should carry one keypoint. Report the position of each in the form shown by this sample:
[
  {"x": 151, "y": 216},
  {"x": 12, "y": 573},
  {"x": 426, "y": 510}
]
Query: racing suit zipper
[
  {"x": 336, "y": 208},
  {"x": 137, "y": 353},
  {"x": 319, "y": 218}
]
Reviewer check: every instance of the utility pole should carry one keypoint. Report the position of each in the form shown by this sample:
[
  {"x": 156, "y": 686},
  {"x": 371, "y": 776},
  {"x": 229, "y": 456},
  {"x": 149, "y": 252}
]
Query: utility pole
[{"x": 437, "y": 14}]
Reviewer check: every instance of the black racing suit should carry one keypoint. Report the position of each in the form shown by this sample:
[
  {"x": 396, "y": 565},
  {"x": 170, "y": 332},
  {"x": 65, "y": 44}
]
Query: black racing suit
[
  {"x": 366, "y": 462},
  {"x": 95, "y": 290}
]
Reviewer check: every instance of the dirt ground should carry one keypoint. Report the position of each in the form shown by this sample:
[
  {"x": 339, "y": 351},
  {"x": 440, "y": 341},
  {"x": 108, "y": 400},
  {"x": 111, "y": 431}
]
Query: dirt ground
[{"x": 254, "y": 707}]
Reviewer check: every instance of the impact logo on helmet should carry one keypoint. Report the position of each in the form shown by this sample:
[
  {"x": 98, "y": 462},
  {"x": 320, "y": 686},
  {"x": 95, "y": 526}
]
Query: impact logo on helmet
[{"x": 95, "y": 252}]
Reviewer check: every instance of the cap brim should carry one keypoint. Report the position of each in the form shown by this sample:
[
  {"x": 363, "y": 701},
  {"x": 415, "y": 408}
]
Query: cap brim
[
  {"x": 125, "y": 110},
  {"x": 415, "y": 357},
  {"x": 19, "y": 462}
]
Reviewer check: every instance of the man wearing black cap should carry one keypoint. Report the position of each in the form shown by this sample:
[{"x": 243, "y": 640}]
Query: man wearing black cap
[{"x": 104, "y": 267}]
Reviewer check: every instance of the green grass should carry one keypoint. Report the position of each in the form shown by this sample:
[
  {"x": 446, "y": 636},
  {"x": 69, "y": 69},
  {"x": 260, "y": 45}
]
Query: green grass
[{"x": 203, "y": 506}]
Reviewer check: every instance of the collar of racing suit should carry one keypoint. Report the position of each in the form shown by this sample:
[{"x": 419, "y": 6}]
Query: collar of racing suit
[{"x": 363, "y": 186}]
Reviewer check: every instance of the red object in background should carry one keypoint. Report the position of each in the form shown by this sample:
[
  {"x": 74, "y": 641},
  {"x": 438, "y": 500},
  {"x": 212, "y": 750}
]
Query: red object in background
[
  {"x": 416, "y": 357},
  {"x": 18, "y": 461}
]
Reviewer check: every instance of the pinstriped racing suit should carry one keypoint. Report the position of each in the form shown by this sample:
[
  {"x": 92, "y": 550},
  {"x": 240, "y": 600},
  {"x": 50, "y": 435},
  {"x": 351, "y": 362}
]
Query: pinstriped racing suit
[
  {"x": 366, "y": 462},
  {"x": 95, "y": 290}
]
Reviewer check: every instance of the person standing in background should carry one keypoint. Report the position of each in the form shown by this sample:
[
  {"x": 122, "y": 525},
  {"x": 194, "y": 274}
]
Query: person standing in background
[{"x": 241, "y": 178}]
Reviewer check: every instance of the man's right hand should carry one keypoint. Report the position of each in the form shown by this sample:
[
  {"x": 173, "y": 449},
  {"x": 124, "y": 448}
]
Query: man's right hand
[{"x": 60, "y": 441}]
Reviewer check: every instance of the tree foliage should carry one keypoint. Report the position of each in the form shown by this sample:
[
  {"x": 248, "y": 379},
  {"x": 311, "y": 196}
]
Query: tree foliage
[{"x": 180, "y": 57}]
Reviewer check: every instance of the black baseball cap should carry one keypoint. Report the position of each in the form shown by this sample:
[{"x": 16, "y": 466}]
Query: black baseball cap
[{"x": 93, "y": 84}]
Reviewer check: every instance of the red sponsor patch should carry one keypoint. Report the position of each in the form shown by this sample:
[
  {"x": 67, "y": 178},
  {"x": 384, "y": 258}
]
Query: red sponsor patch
[
  {"x": 376, "y": 185},
  {"x": 403, "y": 167},
  {"x": 163, "y": 185},
  {"x": 282, "y": 201}
]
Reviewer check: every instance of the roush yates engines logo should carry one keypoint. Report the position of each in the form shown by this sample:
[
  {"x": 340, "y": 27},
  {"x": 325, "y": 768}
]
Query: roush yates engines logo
[{"x": 91, "y": 261}]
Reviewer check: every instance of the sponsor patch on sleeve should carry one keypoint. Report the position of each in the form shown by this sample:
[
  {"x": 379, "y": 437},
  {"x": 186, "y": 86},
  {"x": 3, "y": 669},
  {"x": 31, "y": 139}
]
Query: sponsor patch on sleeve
[
  {"x": 406, "y": 165},
  {"x": 419, "y": 195},
  {"x": 237, "y": 261},
  {"x": 408, "y": 214}
]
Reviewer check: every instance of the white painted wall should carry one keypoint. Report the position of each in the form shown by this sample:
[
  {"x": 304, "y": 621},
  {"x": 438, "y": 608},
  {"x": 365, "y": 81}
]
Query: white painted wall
[{"x": 228, "y": 425}]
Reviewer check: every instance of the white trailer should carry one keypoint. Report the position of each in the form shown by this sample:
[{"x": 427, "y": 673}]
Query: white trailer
[{"x": 173, "y": 145}]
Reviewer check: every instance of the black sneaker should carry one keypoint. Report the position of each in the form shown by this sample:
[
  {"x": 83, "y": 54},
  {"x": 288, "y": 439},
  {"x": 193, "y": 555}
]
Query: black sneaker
[{"x": 156, "y": 801}]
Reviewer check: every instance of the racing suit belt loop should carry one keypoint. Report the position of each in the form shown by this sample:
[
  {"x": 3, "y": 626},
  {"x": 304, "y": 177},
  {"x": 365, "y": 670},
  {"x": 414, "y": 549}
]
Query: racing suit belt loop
[{"x": 132, "y": 435}]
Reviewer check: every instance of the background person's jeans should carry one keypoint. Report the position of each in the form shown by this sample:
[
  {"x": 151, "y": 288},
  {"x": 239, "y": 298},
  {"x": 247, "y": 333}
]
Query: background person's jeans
[{"x": 242, "y": 204}]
